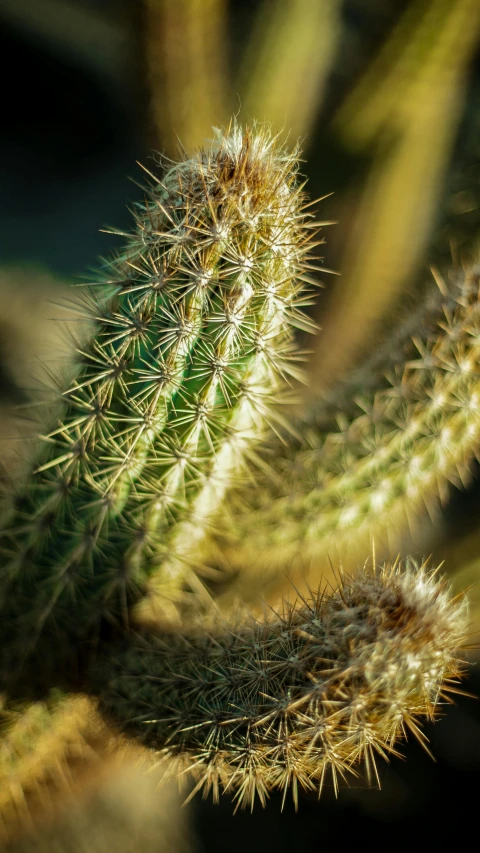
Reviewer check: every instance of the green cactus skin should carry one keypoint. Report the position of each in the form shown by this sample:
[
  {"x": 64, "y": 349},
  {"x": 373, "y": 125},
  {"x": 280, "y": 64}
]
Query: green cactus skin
[
  {"x": 192, "y": 345},
  {"x": 329, "y": 682},
  {"x": 375, "y": 465}
]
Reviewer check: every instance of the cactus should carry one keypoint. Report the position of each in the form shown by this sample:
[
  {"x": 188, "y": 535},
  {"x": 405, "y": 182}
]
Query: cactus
[
  {"x": 192, "y": 350},
  {"x": 192, "y": 343},
  {"x": 375, "y": 464},
  {"x": 278, "y": 705},
  {"x": 38, "y": 743}
]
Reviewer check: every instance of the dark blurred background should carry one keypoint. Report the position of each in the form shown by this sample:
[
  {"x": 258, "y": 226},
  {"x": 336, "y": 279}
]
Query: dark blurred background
[{"x": 385, "y": 96}]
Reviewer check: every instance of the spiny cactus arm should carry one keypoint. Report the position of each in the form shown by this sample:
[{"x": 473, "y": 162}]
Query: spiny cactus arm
[
  {"x": 40, "y": 744},
  {"x": 388, "y": 458},
  {"x": 193, "y": 342},
  {"x": 273, "y": 705}
]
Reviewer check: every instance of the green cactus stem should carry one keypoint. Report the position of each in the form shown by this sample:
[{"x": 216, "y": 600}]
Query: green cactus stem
[{"x": 193, "y": 342}]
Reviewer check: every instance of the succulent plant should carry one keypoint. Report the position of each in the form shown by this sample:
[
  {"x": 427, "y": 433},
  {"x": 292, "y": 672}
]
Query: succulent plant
[
  {"x": 192, "y": 344},
  {"x": 185, "y": 375}
]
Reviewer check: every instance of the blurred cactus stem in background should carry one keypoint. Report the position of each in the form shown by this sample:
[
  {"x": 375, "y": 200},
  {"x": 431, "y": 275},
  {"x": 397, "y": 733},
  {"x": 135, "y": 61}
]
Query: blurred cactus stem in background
[{"x": 405, "y": 112}]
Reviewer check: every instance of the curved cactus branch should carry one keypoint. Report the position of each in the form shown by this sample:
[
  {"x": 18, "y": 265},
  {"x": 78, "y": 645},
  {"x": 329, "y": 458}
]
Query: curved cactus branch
[
  {"x": 277, "y": 705},
  {"x": 373, "y": 467}
]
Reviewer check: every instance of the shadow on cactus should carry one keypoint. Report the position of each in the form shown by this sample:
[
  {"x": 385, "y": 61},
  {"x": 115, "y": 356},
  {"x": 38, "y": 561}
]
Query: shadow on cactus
[{"x": 185, "y": 377}]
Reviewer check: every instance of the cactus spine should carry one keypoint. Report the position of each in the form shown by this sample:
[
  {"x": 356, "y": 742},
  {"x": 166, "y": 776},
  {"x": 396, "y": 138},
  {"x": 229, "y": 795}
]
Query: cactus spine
[
  {"x": 193, "y": 340},
  {"x": 317, "y": 689}
]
